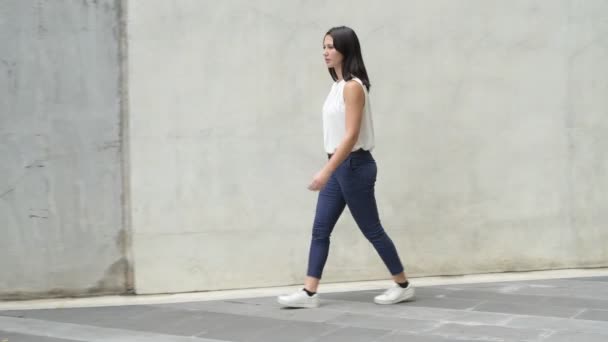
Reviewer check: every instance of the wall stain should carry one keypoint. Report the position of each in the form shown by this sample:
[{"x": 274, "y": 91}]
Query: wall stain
[
  {"x": 121, "y": 240},
  {"x": 111, "y": 283},
  {"x": 7, "y": 192},
  {"x": 39, "y": 213},
  {"x": 109, "y": 145},
  {"x": 36, "y": 163},
  {"x": 113, "y": 278}
]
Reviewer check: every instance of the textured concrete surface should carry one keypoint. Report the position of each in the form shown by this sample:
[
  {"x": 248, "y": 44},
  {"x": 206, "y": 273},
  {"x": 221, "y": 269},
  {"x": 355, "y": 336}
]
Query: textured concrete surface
[
  {"x": 61, "y": 186},
  {"x": 490, "y": 120},
  {"x": 556, "y": 310}
]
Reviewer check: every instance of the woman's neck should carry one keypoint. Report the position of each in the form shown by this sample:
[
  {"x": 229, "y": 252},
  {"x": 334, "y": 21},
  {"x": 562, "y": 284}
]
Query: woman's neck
[{"x": 338, "y": 71}]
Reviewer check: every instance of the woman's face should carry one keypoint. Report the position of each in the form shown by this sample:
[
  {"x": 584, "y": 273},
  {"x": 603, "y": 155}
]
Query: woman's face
[{"x": 333, "y": 57}]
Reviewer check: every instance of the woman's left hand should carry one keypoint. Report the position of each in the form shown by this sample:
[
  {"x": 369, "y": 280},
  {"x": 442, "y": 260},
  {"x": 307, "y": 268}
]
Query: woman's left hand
[{"x": 319, "y": 180}]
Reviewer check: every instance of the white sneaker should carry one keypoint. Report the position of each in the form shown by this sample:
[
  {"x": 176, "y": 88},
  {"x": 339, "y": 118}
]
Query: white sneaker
[
  {"x": 395, "y": 294},
  {"x": 299, "y": 299}
]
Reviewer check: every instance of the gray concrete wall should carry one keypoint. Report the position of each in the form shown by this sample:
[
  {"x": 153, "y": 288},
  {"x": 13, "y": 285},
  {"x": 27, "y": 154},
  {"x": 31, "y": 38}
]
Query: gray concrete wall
[
  {"x": 61, "y": 210},
  {"x": 491, "y": 137}
]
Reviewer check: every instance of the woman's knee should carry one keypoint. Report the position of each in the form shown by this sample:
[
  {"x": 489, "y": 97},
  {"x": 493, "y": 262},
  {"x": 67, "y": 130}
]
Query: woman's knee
[
  {"x": 320, "y": 234},
  {"x": 374, "y": 234}
]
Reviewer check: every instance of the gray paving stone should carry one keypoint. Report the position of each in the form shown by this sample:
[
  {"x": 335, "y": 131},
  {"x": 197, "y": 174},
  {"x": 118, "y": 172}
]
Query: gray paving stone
[
  {"x": 13, "y": 337},
  {"x": 354, "y": 335},
  {"x": 602, "y": 279},
  {"x": 491, "y": 296},
  {"x": 13, "y": 313},
  {"x": 532, "y": 310},
  {"x": 318, "y": 315},
  {"x": 267, "y": 311},
  {"x": 482, "y": 286},
  {"x": 561, "y": 288},
  {"x": 382, "y": 322},
  {"x": 446, "y": 303},
  {"x": 594, "y": 315},
  {"x": 421, "y": 313},
  {"x": 234, "y": 307},
  {"x": 559, "y": 324},
  {"x": 87, "y": 333},
  {"x": 170, "y": 322},
  {"x": 405, "y": 337},
  {"x": 363, "y": 307},
  {"x": 486, "y": 333},
  {"x": 547, "y": 287},
  {"x": 433, "y": 290},
  {"x": 264, "y": 301},
  {"x": 575, "y": 336},
  {"x": 240, "y": 328},
  {"x": 525, "y": 299},
  {"x": 575, "y": 302},
  {"x": 367, "y": 296},
  {"x": 545, "y": 310},
  {"x": 294, "y": 332},
  {"x": 480, "y": 318},
  {"x": 99, "y": 316},
  {"x": 456, "y": 316},
  {"x": 581, "y": 293},
  {"x": 586, "y": 281},
  {"x": 424, "y": 313}
]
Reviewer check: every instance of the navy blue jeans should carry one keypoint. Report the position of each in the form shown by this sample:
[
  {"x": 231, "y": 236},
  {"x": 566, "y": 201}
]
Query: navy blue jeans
[{"x": 352, "y": 184}]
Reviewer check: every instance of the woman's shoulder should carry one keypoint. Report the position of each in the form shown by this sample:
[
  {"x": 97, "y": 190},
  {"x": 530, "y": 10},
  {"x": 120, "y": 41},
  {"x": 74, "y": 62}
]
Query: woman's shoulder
[
  {"x": 354, "y": 90},
  {"x": 355, "y": 79},
  {"x": 355, "y": 83}
]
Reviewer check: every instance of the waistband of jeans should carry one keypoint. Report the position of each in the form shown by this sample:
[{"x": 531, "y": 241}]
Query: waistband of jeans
[{"x": 359, "y": 151}]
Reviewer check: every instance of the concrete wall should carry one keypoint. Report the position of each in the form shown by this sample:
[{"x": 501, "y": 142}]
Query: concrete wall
[
  {"x": 491, "y": 137},
  {"x": 61, "y": 211}
]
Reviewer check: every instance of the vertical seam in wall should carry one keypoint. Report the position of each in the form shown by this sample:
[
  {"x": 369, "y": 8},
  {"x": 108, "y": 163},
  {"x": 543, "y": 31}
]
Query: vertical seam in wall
[
  {"x": 569, "y": 123},
  {"x": 122, "y": 6}
]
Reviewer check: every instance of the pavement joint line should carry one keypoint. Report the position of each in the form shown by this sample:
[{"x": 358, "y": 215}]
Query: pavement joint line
[{"x": 580, "y": 312}]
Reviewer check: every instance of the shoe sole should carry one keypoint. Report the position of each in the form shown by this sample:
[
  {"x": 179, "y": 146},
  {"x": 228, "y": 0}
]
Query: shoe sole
[
  {"x": 381, "y": 302},
  {"x": 305, "y": 306}
]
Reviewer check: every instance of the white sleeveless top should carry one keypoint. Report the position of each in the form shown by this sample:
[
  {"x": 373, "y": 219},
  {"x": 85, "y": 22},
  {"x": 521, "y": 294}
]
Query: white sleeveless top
[{"x": 334, "y": 122}]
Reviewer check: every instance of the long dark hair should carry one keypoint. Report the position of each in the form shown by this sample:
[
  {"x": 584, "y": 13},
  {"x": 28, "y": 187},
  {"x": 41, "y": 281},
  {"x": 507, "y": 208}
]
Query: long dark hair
[{"x": 347, "y": 43}]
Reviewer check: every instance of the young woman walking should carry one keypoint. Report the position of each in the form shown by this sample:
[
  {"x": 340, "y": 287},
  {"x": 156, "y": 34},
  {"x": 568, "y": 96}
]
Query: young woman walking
[{"x": 349, "y": 176}]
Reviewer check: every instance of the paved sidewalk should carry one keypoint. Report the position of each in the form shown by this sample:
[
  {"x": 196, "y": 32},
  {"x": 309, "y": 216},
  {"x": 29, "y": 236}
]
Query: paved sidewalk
[{"x": 552, "y": 310}]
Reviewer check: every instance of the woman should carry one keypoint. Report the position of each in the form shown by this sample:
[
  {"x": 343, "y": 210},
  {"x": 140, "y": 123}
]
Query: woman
[{"x": 349, "y": 175}]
